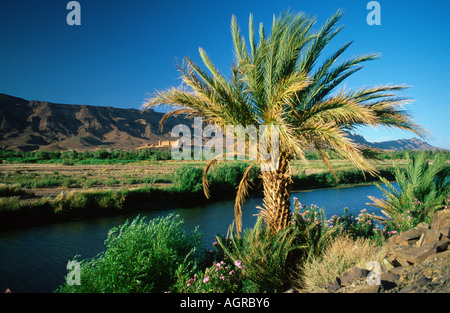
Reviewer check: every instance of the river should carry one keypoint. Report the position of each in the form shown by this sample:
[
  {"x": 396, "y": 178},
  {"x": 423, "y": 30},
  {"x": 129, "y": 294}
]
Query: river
[{"x": 34, "y": 259}]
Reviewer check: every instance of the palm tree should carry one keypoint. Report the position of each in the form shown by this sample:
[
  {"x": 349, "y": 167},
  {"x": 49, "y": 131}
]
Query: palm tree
[
  {"x": 423, "y": 189},
  {"x": 277, "y": 81}
]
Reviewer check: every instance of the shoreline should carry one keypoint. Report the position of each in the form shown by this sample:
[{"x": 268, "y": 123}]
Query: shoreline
[{"x": 45, "y": 210}]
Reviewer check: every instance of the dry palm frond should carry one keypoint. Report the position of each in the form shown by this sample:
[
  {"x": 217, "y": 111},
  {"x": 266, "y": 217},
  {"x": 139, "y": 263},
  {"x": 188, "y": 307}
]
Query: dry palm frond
[
  {"x": 242, "y": 194},
  {"x": 205, "y": 176}
]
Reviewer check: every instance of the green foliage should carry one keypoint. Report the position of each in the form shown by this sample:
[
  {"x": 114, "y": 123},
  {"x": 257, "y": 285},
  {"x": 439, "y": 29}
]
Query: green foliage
[
  {"x": 344, "y": 177},
  {"x": 311, "y": 228},
  {"x": 140, "y": 256},
  {"x": 113, "y": 156},
  {"x": 188, "y": 179},
  {"x": 223, "y": 178},
  {"x": 101, "y": 156},
  {"x": 7, "y": 190},
  {"x": 264, "y": 255},
  {"x": 423, "y": 189},
  {"x": 88, "y": 201},
  {"x": 226, "y": 177}
]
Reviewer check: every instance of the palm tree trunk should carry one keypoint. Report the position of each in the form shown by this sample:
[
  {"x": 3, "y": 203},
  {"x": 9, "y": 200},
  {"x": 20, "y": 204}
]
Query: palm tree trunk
[{"x": 277, "y": 190}]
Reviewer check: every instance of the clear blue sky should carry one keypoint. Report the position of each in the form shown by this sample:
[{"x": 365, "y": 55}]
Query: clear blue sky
[{"x": 125, "y": 50}]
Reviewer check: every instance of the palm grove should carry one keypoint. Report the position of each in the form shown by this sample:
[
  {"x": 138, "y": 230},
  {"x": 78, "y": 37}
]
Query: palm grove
[{"x": 276, "y": 80}]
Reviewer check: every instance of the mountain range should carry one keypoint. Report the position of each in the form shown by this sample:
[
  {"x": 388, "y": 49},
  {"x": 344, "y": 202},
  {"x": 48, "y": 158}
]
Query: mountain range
[{"x": 37, "y": 125}]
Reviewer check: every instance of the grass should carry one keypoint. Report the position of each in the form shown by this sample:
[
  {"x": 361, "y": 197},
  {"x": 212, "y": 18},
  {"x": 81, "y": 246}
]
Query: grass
[
  {"x": 112, "y": 189},
  {"x": 342, "y": 253},
  {"x": 96, "y": 190}
]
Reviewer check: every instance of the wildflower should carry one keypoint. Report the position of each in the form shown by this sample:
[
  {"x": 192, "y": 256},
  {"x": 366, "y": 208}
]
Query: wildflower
[
  {"x": 239, "y": 264},
  {"x": 231, "y": 272},
  {"x": 206, "y": 279}
]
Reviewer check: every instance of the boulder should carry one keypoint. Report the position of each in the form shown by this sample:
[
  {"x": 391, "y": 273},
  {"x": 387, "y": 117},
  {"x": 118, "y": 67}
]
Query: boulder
[
  {"x": 389, "y": 280},
  {"x": 423, "y": 226},
  {"x": 415, "y": 254},
  {"x": 409, "y": 237},
  {"x": 445, "y": 232},
  {"x": 441, "y": 219},
  {"x": 353, "y": 274},
  {"x": 366, "y": 289},
  {"x": 388, "y": 265},
  {"x": 429, "y": 236},
  {"x": 335, "y": 285}
]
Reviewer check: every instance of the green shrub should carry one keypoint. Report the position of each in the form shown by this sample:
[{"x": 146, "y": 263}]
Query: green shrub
[
  {"x": 7, "y": 190},
  {"x": 218, "y": 278},
  {"x": 228, "y": 176},
  {"x": 89, "y": 201},
  {"x": 140, "y": 257},
  {"x": 264, "y": 255},
  {"x": 188, "y": 179},
  {"x": 311, "y": 229},
  {"x": 9, "y": 204},
  {"x": 423, "y": 189}
]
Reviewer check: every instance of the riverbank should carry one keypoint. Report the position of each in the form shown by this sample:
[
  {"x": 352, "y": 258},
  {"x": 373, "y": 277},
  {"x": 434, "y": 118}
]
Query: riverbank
[{"x": 23, "y": 207}]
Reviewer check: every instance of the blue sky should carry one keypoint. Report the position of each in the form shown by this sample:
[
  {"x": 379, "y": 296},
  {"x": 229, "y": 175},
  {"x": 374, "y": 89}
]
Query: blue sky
[{"x": 125, "y": 50}]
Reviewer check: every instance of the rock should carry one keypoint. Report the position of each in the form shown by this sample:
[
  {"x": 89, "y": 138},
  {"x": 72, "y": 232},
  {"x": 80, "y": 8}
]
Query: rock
[
  {"x": 407, "y": 289},
  {"x": 423, "y": 226},
  {"x": 353, "y": 274},
  {"x": 417, "y": 260},
  {"x": 366, "y": 289},
  {"x": 445, "y": 232},
  {"x": 442, "y": 245},
  {"x": 409, "y": 237},
  {"x": 429, "y": 236},
  {"x": 441, "y": 219},
  {"x": 388, "y": 265},
  {"x": 335, "y": 285},
  {"x": 389, "y": 280},
  {"x": 414, "y": 255}
]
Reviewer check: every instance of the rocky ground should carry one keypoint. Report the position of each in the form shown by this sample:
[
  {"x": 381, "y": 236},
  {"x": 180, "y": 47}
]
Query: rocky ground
[{"x": 418, "y": 261}]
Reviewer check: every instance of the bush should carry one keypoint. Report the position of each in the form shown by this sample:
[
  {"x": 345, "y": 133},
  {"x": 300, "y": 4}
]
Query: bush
[
  {"x": 312, "y": 229},
  {"x": 140, "y": 257},
  {"x": 423, "y": 189},
  {"x": 219, "y": 278},
  {"x": 188, "y": 179},
  {"x": 89, "y": 201},
  {"x": 14, "y": 190},
  {"x": 264, "y": 255}
]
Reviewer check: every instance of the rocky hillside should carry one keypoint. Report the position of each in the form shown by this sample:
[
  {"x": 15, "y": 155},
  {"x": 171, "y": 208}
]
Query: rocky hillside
[
  {"x": 398, "y": 145},
  {"x": 36, "y": 125}
]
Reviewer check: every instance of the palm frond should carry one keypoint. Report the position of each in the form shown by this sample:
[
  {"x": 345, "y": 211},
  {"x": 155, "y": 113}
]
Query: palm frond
[{"x": 242, "y": 194}]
